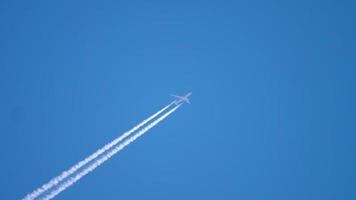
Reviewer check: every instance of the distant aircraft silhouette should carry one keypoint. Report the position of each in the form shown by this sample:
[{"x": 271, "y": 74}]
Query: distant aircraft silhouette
[{"x": 180, "y": 99}]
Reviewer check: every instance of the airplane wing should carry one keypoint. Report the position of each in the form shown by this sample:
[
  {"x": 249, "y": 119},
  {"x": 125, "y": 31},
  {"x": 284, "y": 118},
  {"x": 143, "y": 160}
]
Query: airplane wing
[
  {"x": 176, "y": 96},
  {"x": 187, "y": 100}
]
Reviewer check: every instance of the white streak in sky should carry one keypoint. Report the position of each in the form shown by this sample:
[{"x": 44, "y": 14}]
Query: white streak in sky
[
  {"x": 105, "y": 157},
  {"x": 55, "y": 181}
]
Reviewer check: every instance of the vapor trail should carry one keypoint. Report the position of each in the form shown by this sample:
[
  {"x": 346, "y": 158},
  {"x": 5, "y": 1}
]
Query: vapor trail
[
  {"x": 106, "y": 156},
  {"x": 56, "y": 180}
]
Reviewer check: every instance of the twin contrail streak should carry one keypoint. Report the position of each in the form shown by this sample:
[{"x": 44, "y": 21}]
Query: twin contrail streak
[
  {"x": 106, "y": 156},
  {"x": 55, "y": 181}
]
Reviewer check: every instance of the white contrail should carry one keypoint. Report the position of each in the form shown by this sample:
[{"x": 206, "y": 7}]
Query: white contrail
[
  {"x": 55, "y": 181},
  {"x": 106, "y": 156}
]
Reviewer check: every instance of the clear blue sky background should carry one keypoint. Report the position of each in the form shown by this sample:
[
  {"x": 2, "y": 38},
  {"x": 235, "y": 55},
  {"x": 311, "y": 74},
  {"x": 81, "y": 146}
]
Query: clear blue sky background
[{"x": 273, "y": 105}]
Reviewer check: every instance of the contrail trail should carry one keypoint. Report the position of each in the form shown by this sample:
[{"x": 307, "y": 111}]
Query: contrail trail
[
  {"x": 55, "y": 181},
  {"x": 105, "y": 157}
]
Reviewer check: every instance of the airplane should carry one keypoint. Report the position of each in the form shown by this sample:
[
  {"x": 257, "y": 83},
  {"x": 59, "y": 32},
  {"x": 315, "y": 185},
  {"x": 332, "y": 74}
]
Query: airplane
[{"x": 181, "y": 99}]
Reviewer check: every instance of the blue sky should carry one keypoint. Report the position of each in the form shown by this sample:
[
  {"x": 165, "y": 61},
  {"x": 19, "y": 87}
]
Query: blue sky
[{"x": 273, "y": 105}]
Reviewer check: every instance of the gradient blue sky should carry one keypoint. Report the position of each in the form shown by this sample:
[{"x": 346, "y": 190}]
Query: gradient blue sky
[{"x": 273, "y": 105}]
